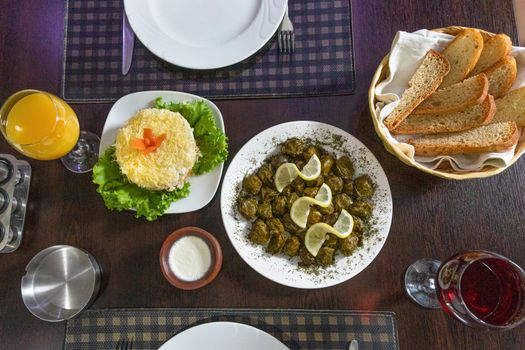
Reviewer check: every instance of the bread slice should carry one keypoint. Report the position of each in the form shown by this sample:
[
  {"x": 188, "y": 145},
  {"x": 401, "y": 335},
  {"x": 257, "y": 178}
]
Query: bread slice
[
  {"x": 468, "y": 118},
  {"x": 494, "y": 49},
  {"x": 423, "y": 83},
  {"x": 462, "y": 53},
  {"x": 469, "y": 92},
  {"x": 495, "y": 137},
  {"x": 501, "y": 76},
  {"x": 511, "y": 107}
]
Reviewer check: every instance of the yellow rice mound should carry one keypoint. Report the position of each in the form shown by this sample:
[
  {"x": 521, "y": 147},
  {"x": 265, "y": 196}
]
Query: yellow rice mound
[{"x": 168, "y": 166}]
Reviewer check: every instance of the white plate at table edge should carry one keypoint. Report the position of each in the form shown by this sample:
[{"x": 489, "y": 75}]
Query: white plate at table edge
[
  {"x": 153, "y": 23},
  {"x": 202, "y": 187},
  {"x": 229, "y": 335},
  {"x": 279, "y": 268}
]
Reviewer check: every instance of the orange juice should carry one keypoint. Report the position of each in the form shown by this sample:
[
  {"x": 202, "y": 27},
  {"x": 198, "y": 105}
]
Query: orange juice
[{"x": 42, "y": 126}]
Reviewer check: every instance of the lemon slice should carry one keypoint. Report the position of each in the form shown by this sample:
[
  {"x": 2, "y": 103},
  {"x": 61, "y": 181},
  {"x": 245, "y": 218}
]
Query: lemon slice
[
  {"x": 301, "y": 207},
  {"x": 284, "y": 175},
  {"x": 287, "y": 172},
  {"x": 316, "y": 234},
  {"x": 344, "y": 225},
  {"x": 300, "y": 210},
  {"x": 324, "y": 196},
  {"x": 312, "y": 169},
  {"x": 315, "y": 237}
]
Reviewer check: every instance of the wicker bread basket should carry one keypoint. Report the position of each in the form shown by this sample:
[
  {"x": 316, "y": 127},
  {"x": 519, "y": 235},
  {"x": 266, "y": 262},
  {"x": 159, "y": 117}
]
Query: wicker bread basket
[{"x": 446, "y": 172}]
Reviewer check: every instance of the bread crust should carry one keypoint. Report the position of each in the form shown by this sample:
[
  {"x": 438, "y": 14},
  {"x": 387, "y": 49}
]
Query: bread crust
[
  {"x": 510, "y": 62},
  {"x": 488, "y": 59},
  {"x": 491, "y": 110},
  {"x": 391, "y": 121},
  {"x": 488, "y": 106},
  {"x": 461, "y": 65},
  {"x": 434, "y": 150},
  {"x": 511, "y": 107},
  {"x": 449, "y": 108}
]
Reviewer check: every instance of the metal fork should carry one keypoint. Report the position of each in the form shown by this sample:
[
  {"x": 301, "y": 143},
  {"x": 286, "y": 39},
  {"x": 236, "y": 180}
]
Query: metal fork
[
  {"x": 124, "y": 344},
  {"x": 354, "y": 345},
  {"x": 286, "y": 40}
]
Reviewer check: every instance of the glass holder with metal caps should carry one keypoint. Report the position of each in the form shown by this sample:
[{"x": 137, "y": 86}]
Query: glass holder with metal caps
[{"x": 15, "y": 177}]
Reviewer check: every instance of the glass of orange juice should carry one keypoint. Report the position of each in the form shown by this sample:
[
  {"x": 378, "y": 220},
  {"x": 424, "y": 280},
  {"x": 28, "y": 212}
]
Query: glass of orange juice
[{"x": 42, "y": 126}]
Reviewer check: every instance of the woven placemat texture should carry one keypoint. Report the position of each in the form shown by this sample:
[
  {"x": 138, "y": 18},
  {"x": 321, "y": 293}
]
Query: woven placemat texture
[
  {"x": 321, "y": 64},
  {"x": 297, "y": 329}
]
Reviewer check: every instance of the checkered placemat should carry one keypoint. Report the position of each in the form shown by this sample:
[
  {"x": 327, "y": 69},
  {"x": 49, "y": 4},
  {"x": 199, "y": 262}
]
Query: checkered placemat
[
  {"x": 322, "y": 62},
  {"x": 297, "y": 329}
]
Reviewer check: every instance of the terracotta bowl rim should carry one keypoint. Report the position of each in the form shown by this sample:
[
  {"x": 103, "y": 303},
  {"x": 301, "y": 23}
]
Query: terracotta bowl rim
[{"x": 216, "y": 257}]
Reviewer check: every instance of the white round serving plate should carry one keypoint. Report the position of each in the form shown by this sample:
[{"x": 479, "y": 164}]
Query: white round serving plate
[
  {"x": 203, "y": 34},
  {"x": 280, "y": 268},
  {"x": 223, "y": 336},
  {"x": 202, "y": 187}
]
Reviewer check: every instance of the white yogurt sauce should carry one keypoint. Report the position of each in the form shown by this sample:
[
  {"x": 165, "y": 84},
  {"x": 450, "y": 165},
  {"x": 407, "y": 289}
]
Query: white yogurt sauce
[{"x": 190, "y": 258}]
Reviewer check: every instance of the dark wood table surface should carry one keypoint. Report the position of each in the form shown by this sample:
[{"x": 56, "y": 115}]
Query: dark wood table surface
[{"x": 432, "y": 217}]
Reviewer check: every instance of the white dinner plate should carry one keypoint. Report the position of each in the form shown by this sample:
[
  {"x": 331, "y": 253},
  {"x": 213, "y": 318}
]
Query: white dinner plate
[
  {"x": 204, "y": 34},
  {"x": 202, "y": 187},
  {"x": 279, "y": 268},
  {"x": 223, "y": 336}
]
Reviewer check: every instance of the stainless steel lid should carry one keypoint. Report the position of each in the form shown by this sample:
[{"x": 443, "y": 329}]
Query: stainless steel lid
[{"x": 60, "y": 282}]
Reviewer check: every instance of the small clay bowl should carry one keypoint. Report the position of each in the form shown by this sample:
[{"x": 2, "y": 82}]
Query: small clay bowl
[{"x": 216, "y": 258}]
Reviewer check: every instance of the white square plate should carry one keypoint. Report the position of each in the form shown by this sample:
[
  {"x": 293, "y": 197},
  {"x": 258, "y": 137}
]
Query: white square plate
[{"x": 202, "y": 187}]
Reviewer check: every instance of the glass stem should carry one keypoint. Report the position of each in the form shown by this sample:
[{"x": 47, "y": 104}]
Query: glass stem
[
  {"x": 420, "y": 282},
  {"x": 83, "y": 157},
  {"x": 80, "y": 152}
]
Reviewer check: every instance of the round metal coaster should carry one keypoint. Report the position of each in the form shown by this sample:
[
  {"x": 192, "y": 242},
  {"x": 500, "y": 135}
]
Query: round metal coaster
[{"x": 60, "y": 282}]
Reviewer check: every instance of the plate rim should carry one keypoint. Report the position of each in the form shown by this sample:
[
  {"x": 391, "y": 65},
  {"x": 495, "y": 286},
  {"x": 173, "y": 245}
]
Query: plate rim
[
  {"x": 157, "y": 42},
  {"x": 222, "y": 323},
  {"x": 328, "y": 282},
  {"x": 217, "y": 114}
]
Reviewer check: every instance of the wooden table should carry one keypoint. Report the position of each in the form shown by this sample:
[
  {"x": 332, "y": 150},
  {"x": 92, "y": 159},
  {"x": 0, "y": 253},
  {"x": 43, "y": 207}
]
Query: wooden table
[{"x": 432, "y": 217}]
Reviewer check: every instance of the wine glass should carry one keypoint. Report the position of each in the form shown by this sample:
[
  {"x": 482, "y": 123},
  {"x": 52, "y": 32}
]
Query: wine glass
[
  {"x": 42, "y": 126},
  {"x": 479, "y": 288}
]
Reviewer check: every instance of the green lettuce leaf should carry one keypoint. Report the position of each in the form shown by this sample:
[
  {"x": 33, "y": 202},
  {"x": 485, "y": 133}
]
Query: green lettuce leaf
[
  {"x": 212, "y": 142},
  {"x": 119, "y": 193}
]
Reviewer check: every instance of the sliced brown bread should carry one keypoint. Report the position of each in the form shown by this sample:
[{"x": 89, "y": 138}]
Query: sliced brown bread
[
  {"x": 493, "y": 137},
  {"x": 468, "y": 118},
  {"x": 462, "y": 54},
  {"x": 501, "y": 76},
  {"x": 511, "y": 107},
  {"x": 469, "y": 92},
  {"x": 494, "y": 49},
  {"x": 423, "y": 83}
]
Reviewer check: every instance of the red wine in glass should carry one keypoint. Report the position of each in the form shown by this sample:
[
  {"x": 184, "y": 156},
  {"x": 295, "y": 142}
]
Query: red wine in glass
[{"x": 479, "y": 288}]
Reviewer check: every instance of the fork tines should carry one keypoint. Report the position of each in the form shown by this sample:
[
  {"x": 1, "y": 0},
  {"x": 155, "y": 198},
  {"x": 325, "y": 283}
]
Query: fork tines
[
  {"x": 286, "y": 41},
  {"x": 125, "y": 344}
]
